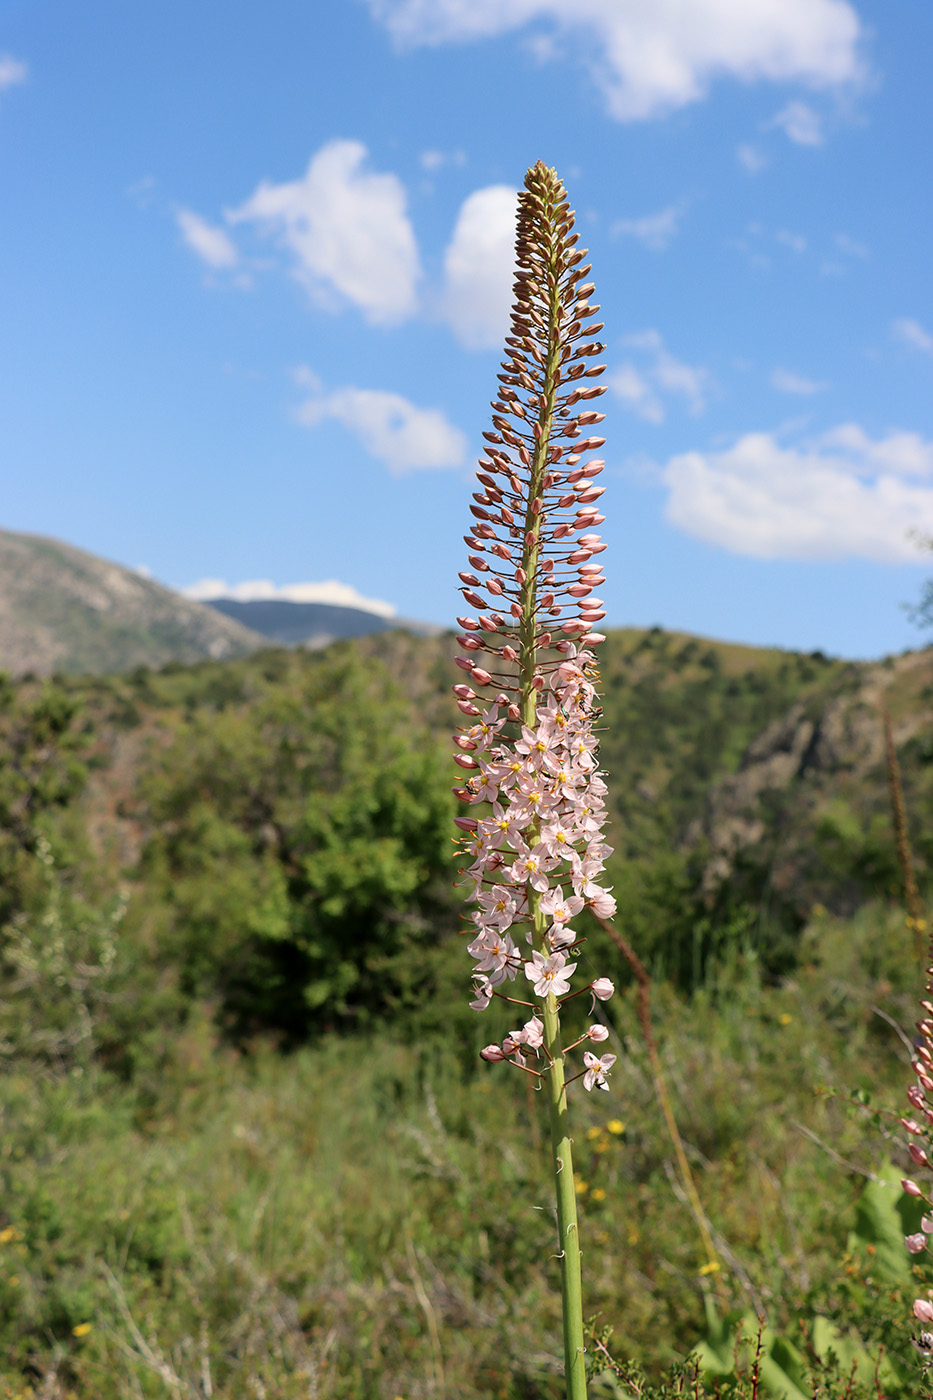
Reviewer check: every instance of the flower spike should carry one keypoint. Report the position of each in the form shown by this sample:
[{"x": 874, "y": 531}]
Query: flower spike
[{"x": 529, "y": 758}]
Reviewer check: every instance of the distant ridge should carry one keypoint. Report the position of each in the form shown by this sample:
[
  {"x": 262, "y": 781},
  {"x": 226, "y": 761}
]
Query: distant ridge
[
  {"x": 62, "y": 609},
  {"x": 312, "y": 624}
]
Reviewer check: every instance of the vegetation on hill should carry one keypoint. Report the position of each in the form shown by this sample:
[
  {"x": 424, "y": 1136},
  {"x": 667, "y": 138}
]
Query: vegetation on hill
[{"x": 249, "y": 1147}]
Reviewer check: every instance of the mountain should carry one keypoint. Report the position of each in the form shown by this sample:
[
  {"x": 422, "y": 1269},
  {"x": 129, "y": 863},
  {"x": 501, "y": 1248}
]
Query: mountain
[
  {"x": 62, "y": 609},
  {"x": 311, "y": 624}
]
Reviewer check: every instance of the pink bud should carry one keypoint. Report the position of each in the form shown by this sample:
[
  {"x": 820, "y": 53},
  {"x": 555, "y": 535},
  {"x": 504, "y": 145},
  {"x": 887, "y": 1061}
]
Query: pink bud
[
  {"x": 470, "y": 643},
  {"x": 470, "y": 578},
  {"x": 474, "y": 598},
  {"x": 598, "y": 1033},
  {"x": 480, "y": 676},
  {"x": 492, "y": 1053},
  {"x": 915, "y": 1096},
  {"x": 594, "y": 639},
  {"x": 514, "y": 712},
  {"x": 469, "y": 624},
  {"x": 466, "y": 823},
  {"x": 587, "y": 541},
  {"x": 538, "y": 682},
  {"x": 510, "y": 654},
  {"x": 464, "y": 760},
  {"x": 926, "y": 1224},
  {"x": 923, "y": 1310},
  {"x": 468, "y": 708},
  {"x": 915, "y": 1243},
  {"x": 602, "y": 988},
  {"x": 911, "y": 1125},
  {"x": 463, "y": 692},
  {"x": 918, "y": 1156},
  {"x": 910, "y": 1188},
  {"x": 464, "y": 663}
]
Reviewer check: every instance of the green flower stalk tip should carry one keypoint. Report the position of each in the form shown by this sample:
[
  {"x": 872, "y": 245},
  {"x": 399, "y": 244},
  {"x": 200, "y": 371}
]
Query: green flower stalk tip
[{"x": 535, "y": 853}]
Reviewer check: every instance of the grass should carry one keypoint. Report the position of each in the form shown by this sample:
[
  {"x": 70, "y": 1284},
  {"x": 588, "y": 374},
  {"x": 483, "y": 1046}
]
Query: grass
[{"x": 372, "y": 1219}]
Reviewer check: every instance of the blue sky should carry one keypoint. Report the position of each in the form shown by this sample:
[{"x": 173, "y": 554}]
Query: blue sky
[{"x": 257, "y": 267}]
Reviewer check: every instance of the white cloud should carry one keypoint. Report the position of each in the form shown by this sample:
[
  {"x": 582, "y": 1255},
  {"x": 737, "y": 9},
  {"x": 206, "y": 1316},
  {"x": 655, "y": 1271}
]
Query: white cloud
[
  {"x": 652, "y": 58},
  {"x": 751, "y": 158},
  {"x": 787, "y": 382},
  {"x": 801, "y": 123},
  {"x": 478, "y": 267},
  {"x": 842, "y": 495},
  {"x": 851, "y": 246},
  {"x": 654, "y": 230},
  {"x": 642, "y": 388},
  {"x": 12, "y": 71},
  {"x": 913, "y": 334},
  {"x": 636, "y": 393},
  {"x": 390, "y": 427},
  {"x": 436, "y": 160},
  {"x": 213, "y": 245},
  {"x": 796, "y": 241},
  {"x": 347, "y": 229},
  {"x": 341, "y": 595}
]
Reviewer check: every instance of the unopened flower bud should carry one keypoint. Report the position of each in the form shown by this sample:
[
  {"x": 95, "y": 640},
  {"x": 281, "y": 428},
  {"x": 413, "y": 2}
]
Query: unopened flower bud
[
  {"x": 602, "y": 988},
  {"x": 598, "y": 1033},
  {"x": 492, "y": 1053},
  {"x": 915, "y": 1243},
  {"x": 910, "y": 1188},
  {"x": 923, "y": 1310}
]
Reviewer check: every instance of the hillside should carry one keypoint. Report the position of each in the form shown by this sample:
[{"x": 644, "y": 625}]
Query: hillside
[
  {"x": 747, "y": 786},
  {"x": 310, "y": 624},
  {"x": 62, "y": 609}
]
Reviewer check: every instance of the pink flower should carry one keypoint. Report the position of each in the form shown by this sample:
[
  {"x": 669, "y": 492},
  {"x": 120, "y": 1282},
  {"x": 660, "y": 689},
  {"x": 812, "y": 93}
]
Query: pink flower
[
  {"x": 549, "y": 974},
  {"x": 598, "y": 1033},
  {"x": 596, "y": 1070},
  {"x": 531, "y": 1034},
  {"x": 923, "y": 1310},
  {"x": 915, "y": 1243},
  {"x": 602, "y": 988}
]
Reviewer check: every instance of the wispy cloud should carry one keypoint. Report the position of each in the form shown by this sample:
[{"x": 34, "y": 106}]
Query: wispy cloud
[
  {"x": 655, "y": 58},
  {"x": 850, "y": 246},
  {"x": 433, "y": 160},
  {"x": 655, "y": 231},
  {"x": 842, "y": 495},
  {"x": 478, "y": 266},
  {"x": 263, "y": 590},
  {"x": 751, "y": 158},
  {"x": 913, "y": 334},
  {"x": 657, "y": 375},
  {"x": 801, "y": 123},
  {"x": 795, "y": 241},
  {"x": 12, "y": 71},
  {"x": 347, "y": 231},
  {"x": 787, "y": 382},
  {"x": 213, "y": 245},
  {"x": 391, "y": 428}
]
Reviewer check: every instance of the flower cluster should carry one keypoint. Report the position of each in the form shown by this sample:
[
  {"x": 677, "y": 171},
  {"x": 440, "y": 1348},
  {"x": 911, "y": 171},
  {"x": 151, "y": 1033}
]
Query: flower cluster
[
  {"x": 528, "y": 748},
  {"x": 919, "y": 1128}
]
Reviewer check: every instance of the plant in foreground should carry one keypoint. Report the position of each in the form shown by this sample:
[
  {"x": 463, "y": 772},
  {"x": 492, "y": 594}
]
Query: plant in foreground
[{"x": 535, "y": 852}]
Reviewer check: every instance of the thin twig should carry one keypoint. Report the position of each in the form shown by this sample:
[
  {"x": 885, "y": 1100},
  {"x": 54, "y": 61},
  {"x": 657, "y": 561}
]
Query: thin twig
[{"x": 643, "y": 1010}]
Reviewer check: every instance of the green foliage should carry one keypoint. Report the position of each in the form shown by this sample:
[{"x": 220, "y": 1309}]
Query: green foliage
[
  {"x": 40, "y": 772},
  {"x": 301, "y": 845}
]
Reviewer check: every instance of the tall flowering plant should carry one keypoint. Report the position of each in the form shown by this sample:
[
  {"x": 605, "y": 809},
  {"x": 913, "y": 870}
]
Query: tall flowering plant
[
  {"x": 533, "y": 839},
  {"x": 919, "y": 1128}
]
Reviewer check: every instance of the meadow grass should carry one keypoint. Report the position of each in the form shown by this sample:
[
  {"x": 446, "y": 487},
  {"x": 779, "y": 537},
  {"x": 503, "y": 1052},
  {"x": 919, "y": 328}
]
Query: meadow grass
[{"x": 370, "y": 1218}]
